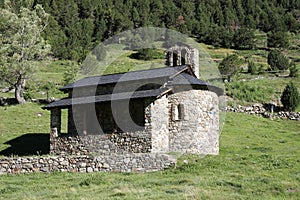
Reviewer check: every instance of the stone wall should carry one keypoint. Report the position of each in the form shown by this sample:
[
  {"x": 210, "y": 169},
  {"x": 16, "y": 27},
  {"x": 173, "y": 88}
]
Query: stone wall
[
  {"x": 145, "y": 162},
  {"x": 67, "y": 144},
  {"x": 267, "y": 111},
  {"x": 102, "y": 144},
  {"x": 159, "y": 125},
  {"x": 197, "y": 130}
]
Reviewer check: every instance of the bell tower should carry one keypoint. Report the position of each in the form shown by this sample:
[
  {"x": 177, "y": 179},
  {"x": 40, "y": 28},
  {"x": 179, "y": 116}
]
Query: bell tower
[{"x": 183, "y": 55}]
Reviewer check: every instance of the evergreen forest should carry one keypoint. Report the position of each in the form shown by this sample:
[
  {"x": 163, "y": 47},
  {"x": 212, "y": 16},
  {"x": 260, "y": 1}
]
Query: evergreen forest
[{"x": 77, "y": 26}]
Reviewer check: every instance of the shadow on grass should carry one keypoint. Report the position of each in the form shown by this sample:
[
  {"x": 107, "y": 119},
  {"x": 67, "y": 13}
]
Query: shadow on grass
[{"x": 27, "y": 145}]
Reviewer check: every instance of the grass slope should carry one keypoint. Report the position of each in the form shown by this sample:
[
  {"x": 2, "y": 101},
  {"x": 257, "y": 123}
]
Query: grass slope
[
  {"x": 259, "y": 159},
  {"x": 21, "y": 121}
]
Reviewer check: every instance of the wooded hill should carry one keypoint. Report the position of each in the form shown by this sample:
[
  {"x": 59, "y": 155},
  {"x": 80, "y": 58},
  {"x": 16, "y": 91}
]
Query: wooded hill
[{"x": 76, "y": 26}]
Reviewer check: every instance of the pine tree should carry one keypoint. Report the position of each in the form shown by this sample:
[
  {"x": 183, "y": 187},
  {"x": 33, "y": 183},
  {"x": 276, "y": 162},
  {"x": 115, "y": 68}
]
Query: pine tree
[
  {"x": 21, "y": 44},
  {"x": 278, "y": 39},
  {"x": 230, "y": 66},
  {"x": 290, "y": 97},
  {"x": 277, "y": 60},
  {"x": 56, "y": 38},
  {"x": 244, "y": 38}
]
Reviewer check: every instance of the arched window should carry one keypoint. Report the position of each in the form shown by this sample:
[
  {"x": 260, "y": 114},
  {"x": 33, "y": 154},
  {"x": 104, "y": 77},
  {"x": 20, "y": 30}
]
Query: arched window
[
  {"x": 175, "y": 59},
  {"x": 184, "y": 57}
]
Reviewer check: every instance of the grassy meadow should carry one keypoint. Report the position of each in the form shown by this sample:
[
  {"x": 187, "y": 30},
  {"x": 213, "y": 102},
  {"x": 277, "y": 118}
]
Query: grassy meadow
[{"x": 259, "y": 159}]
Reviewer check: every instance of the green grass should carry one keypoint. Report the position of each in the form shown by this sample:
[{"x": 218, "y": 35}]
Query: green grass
[
  {"x": 124, "y": 64},
  {"x": 20, "y": 120},
  {"x": 259, "y": 159},
  {"x": 217, "y": 54},
  {"x": 264, "y": 90}
]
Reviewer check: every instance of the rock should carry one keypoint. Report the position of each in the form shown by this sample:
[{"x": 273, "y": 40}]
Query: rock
[
  {"x": 258, "y": 109},
  {"x": 83, "y": 164},
  {"x": 82, "y": 169},
  {"x": 64, "y": 163},
  {"x": 16, "y": 170},
  {"x": 249, "y": 108},
  {"x": 105, "y": 166},
  {"x": 126, "y": 160},
  {"x": 89, "y": 169},
  {"x": 28, "y": 166},
  {"x": 36, "y": 169}
]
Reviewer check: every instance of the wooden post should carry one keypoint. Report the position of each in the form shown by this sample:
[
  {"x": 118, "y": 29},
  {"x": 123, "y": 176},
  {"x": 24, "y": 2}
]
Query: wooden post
[
  {"x": 84, "y": 122},
  {"x": 56, "y": 120},
  {"x": 55, "y": 128}
]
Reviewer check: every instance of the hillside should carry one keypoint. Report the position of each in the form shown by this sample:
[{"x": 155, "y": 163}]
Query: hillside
[
  {"x": 76, "y": 27},
  {"x": 259, "y": 157}
]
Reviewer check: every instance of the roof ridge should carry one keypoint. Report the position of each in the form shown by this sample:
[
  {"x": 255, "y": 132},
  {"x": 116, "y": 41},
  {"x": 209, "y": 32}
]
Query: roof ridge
[
  {"x": 118, "y": 76},
  {"x": 177, "y": 66}
]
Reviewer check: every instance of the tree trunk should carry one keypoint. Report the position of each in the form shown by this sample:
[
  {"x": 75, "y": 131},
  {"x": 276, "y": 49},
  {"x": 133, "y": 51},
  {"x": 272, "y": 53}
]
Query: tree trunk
[{"x": 19, "y": 92}]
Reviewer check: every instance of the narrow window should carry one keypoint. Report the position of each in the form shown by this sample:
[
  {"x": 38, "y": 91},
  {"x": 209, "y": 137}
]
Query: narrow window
[
  {"x": 183, "y": 57},
  {"x": 180, "y": 108},
  {"x": 175, "y": 59},
  {"x": 178, "y": 112}
]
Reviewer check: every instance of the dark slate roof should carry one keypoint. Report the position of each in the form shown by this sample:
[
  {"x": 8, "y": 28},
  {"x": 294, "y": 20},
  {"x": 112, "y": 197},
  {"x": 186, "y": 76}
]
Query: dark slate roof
[
  {"x": 186, "y": 79},
  {"x": 128, "y": 76},
  {"x": 67, "y": 102},
  {"x": 175, "y": 78}
]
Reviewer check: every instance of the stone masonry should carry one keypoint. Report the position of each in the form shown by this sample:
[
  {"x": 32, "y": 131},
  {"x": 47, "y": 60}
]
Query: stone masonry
[
  {"x": 197, "y": 130},
  {"x": 171, "y": 110},
  {"x": 144, "y": 162},
  {"x": 181, "y": 55}
]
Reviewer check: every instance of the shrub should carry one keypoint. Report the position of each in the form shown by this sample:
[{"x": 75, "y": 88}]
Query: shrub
[
  {"x": 252, "y": 68},
  {"x": 290, "y": 97},
  {"x": 261, "y": 69},
  {"x": 49, "y": 87},
  {"x": 293, "y": 70},
  {"x": 147, "y": 54}
]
